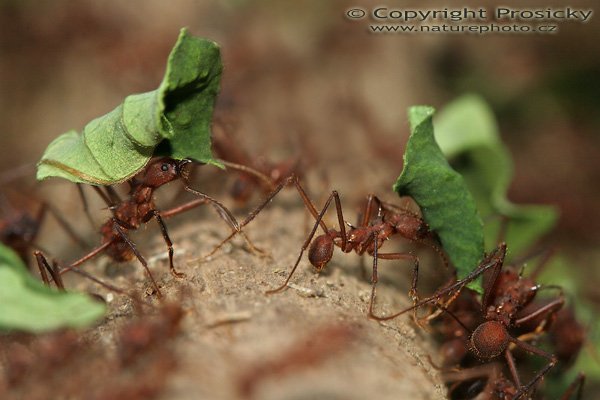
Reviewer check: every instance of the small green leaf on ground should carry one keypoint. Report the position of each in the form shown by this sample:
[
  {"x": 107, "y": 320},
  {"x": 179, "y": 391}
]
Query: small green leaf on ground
[
  {"x": 177, "y": 115},
  {"x": 28, "y": 305},
  {"x": 442, "y": 195},
  {"x": 467, "y": 133}
]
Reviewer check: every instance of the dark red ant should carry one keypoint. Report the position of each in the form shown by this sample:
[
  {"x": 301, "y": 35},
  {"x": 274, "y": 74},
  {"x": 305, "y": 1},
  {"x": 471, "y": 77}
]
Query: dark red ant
[
  {"x": 138, "y": 209},
  {"x": 495, "y": 386},
  {"x": 506, "y": 294},
  {"x": 372, "y": 230}
]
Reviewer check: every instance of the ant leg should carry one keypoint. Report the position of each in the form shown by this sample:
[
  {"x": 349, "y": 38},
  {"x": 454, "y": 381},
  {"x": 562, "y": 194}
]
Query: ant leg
[
  {"x": 63, "y": 223},
  {"x": 87, "y": 257},
  {"x": 101, "y": 283},
  {"x": 227, "y": 216},
  {"x": 510, "y": 360},
  {"x": 86, "y": 208},
  {"x": 229, "y": 219},
  {"x": 393, "y": 256},
  {"x": 165, "y": 234},
  {"x": 104, "y": 197},
  {"x": 498, "y": 255},
  {"x": 365, "y": 214},
  {"x": 490, "y": 371},
  {"x": 413, "y": 294},
  {"x": 549, "y": 308},
  {"x": 183, "y": 208},
  {"x": 576, "y": 384},
  {"x": 42, "y": 265},
  {"x": 374, "y": 279},
  {"x": 534, "y": 350},
  {"x": 249, "y": 170},
  {"x": 292, "y": 179},
  {"x": 542, "y": 263},
  {"x": 492, "y": 261},
  {"x": 139, "y": 256},
  {"x": 307, "y": 241},
  {"x": 55, "y": 272}
]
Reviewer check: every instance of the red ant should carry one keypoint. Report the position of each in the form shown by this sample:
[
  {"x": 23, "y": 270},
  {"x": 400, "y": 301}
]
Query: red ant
[
  {"x": 506, "y": 294},
  {"x": 138, "y": 209},
  {"x": 496, "y": 386},
  {"x": 373, "y": 229}
]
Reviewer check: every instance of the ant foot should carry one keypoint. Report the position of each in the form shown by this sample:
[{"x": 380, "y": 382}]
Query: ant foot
[{"x": 177, "y": 274}]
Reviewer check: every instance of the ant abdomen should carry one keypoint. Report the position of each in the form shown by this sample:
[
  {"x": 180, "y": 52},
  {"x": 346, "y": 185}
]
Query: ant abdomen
[
  {"x": 489, "y": 340},
  {"x": 321, "y": 251}
]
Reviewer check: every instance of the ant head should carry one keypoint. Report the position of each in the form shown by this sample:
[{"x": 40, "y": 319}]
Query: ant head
[
  {"x": 321, "y": 251},
  {"x": 489, "y": 340},
  {"x": 160, "y": 172}
]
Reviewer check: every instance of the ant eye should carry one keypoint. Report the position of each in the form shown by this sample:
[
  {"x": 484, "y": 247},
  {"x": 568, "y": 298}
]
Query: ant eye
[{"x": 164, "y": 167}]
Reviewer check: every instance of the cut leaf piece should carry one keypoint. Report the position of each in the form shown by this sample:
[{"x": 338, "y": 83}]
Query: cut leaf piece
[
  {"x": 177, "y": 115},
  {"x": 467, "y": 133},
  {"x": 28, "y": 305},
  {"x": 442, "y": 195}
]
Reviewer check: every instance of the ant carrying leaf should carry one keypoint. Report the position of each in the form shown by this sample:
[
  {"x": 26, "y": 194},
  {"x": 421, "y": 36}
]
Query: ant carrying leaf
[
  {"x": 113, "y": 148},
  {"x": 131, "y": 213},
  {"x": 441, "y": 193}
]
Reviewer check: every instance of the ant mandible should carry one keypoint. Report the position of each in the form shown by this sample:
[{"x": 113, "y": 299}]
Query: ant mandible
[
  {"x": 373, "y": 229},
  {"x": 138, "y": 209},
  {"x": 506, "y": 294}
]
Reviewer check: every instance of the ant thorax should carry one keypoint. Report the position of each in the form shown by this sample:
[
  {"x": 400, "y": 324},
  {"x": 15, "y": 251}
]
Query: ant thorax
[
  {"x": 409, "y": 226},
  {"x": 511, "y": 294}
]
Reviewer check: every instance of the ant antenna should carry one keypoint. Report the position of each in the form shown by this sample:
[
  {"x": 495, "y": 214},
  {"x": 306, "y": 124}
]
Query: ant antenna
[{"x": 444, "y": 309}]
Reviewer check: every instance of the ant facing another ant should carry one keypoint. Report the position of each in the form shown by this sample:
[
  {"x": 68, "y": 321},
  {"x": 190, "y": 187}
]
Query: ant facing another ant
[
  {"x": 372, "y": 230},
  {"x": 138, "y": 209}
]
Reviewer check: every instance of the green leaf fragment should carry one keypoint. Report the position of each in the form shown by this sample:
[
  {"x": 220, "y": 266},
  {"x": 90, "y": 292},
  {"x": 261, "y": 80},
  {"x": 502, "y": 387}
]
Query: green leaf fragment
[
  {"x": 442, "y": 195},
  {"x": 467, "y": 133},
  {"x": 28, "y": 305},
  {"x": 116, "y": 146}
]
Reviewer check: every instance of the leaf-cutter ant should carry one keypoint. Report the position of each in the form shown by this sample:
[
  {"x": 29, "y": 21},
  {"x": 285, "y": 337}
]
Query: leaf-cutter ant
[
  {"x": 506, "y": 294},
  {"x": 487, "y": 382},
  {"x": 378, "y": 222},
  {"x": 139, "y": 208}
]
